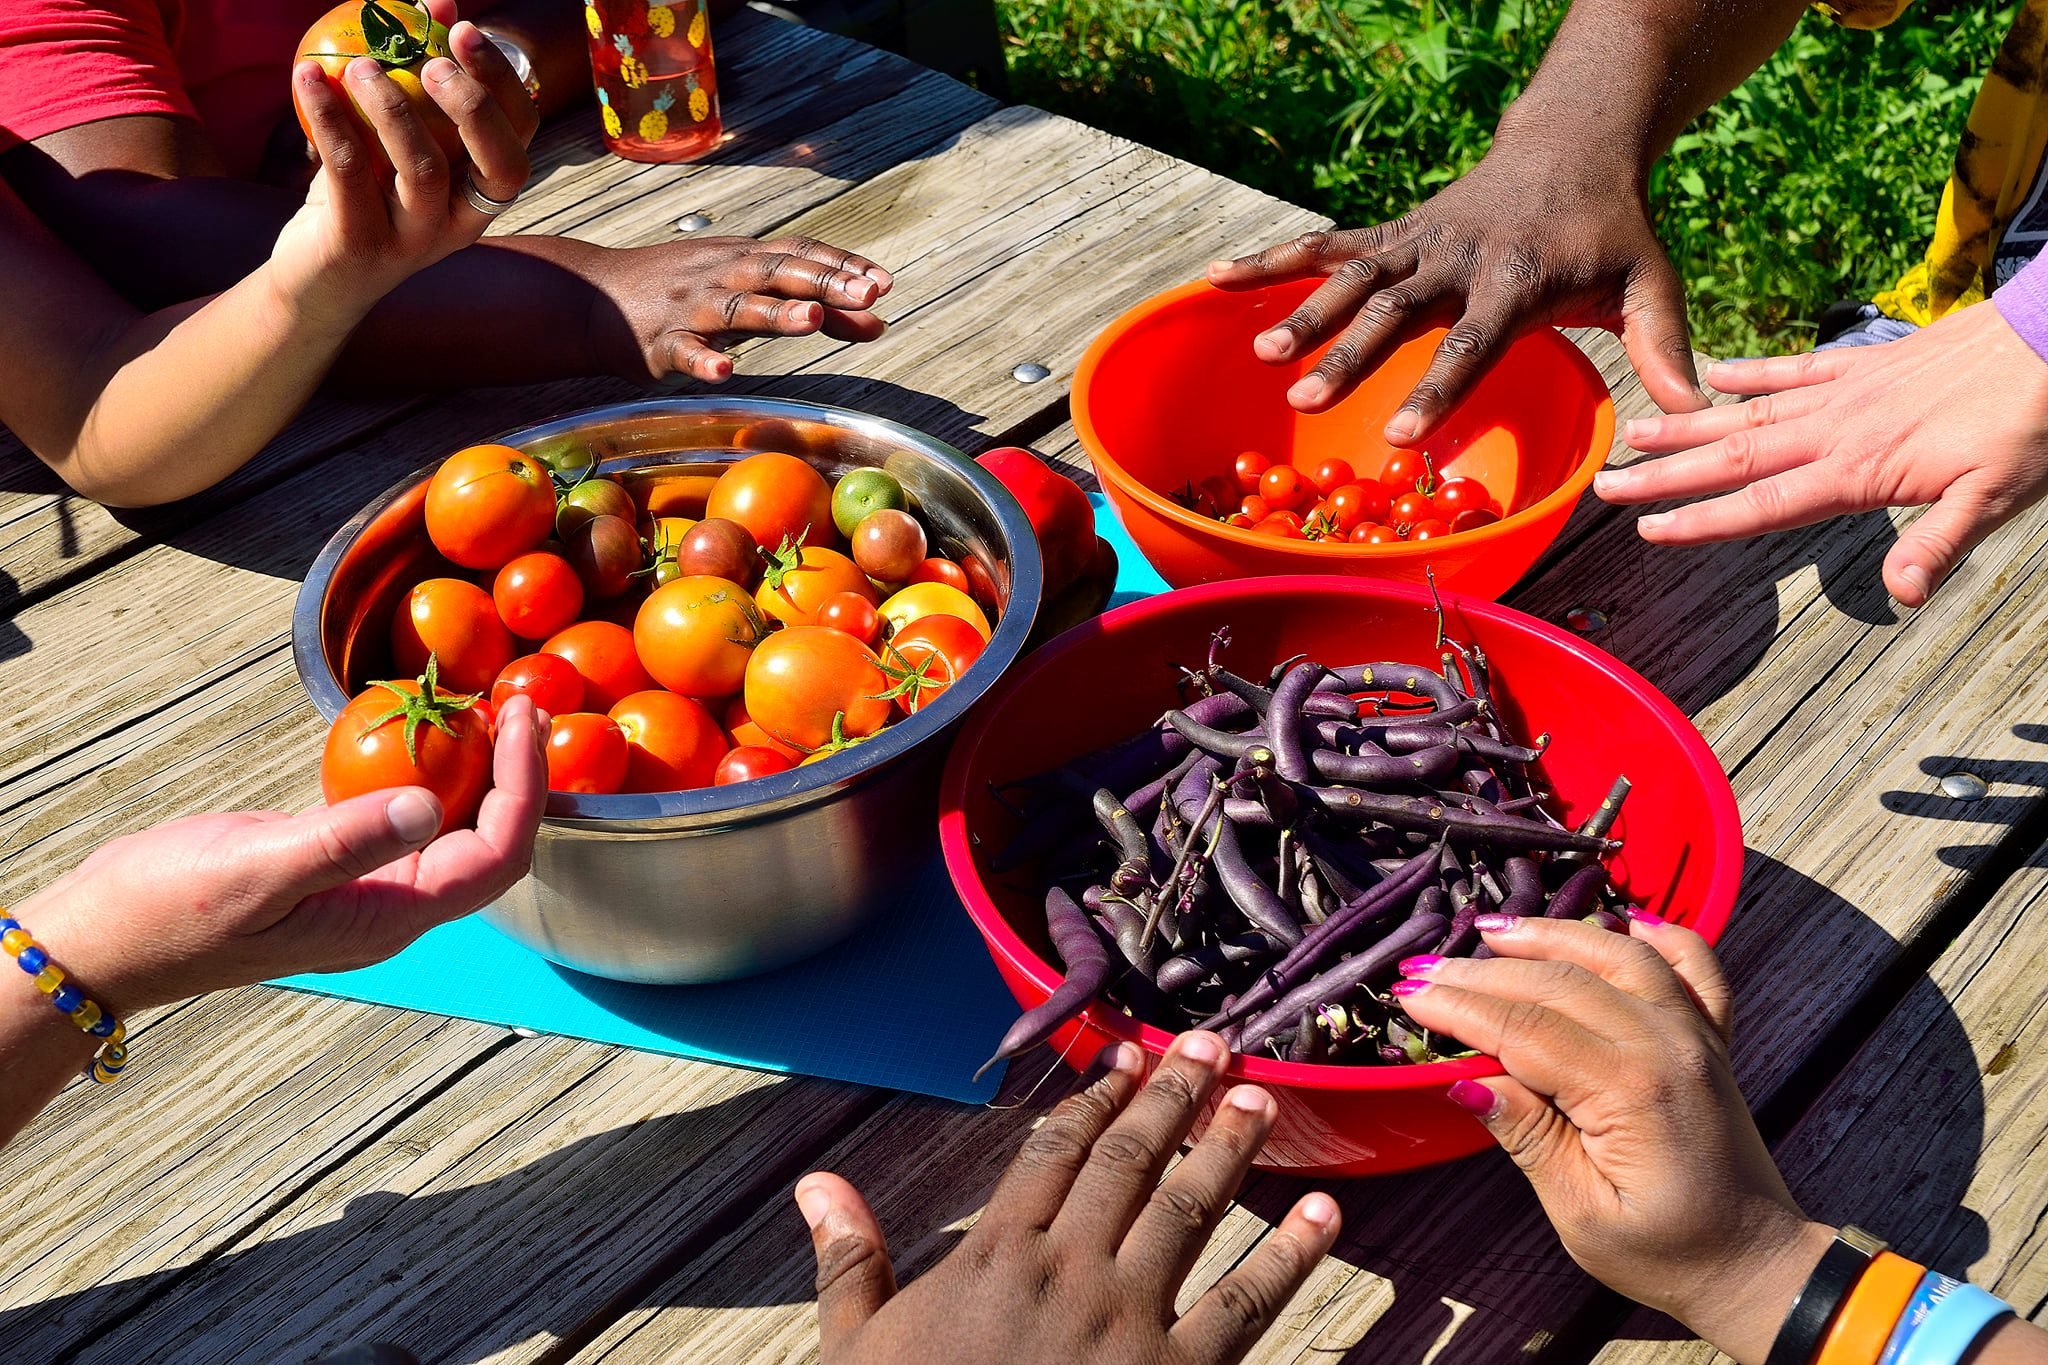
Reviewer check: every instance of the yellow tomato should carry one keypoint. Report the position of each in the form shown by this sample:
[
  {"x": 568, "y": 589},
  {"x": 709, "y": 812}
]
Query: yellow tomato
[{"x": 931, "y": 599}]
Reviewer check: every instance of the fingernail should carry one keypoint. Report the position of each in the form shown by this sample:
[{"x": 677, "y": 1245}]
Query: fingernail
[
  {"x": 1127, "y": 1057},
  {"x": 1643, "y": 916},
  {"x": 879, "y": 276},
  {"x": 1407, "y": 988},
  {"x": 1319, "y": 1209},
  {"x": 414, "y": 817},
  {"x": 1496, "y": 924},
  {"x": 1277, "y": 343},
  {"x": 438, "y": 70},
  {"x": 1220, "y": 267},
  {"x": 1200, "y": 1048},
  {"x": 1918, "y": 580},
  {"x": 813, "y": 1203},
  {"x": 362, "y": 69},
  {"x": 1309, "y": 390},
  {"x": 1656, "y": 521},
  {"x": 1610, "y": 481},
  {"x": 1248, "y": 1098},
  {"x": 1402, "y": 426},
  {"x": 1420, "y": 963},
  {"x": 1473, "y": 1098},
  {"x": 1638, "y": 429}
]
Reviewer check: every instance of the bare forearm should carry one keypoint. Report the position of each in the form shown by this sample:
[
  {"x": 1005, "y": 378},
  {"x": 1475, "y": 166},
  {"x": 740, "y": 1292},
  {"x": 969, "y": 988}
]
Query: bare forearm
[
  {"x": 1622, "y": 79},
  {"x": 2014, "y": 1341}
]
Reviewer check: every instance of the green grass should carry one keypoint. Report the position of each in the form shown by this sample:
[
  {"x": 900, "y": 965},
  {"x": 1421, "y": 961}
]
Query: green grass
[{"x": 1816, "y": 180}]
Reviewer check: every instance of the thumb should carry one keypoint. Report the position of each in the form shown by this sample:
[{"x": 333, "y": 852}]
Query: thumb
[
  {"x": 327, "y": 846},
  {"x": 854, "y": 1275},
  {"x": 1929, "y": 550},
  {"x": 1654, "y": 333},
  {"x": 1534, "y": 1133}
]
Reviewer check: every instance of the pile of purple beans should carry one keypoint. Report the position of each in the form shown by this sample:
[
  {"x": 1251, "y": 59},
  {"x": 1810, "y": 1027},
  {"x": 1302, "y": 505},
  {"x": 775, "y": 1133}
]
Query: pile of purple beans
[{"x": 1259, "y": 860}]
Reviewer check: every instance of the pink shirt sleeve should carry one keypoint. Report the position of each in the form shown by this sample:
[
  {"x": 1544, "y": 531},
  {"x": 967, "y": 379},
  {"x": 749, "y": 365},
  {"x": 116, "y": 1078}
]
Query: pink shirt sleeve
[{"x": 63, "y": 64}]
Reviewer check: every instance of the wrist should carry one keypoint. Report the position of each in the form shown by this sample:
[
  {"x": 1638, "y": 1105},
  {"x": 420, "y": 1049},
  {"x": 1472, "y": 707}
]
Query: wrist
[
  {"x": 1741, "y": 1308},
  {"x": 89, "y": 956},
  {"x": 1571, "y": 153},
  {"x": 315, "y": 309}
]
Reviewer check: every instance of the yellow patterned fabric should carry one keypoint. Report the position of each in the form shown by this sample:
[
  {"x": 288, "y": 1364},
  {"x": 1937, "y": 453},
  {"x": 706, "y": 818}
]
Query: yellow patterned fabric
[{"x": 1995, "y": 172}]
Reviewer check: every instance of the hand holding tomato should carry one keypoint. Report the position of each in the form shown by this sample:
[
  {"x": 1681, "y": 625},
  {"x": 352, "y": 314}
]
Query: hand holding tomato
[
  {"x": 364, "y": 227},
  {"x": 329, "y": 889}
]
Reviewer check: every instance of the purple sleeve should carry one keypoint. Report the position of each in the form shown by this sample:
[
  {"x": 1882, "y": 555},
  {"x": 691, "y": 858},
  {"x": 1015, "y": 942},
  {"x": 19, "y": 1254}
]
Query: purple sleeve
[{"x": 2023, "y": 302}]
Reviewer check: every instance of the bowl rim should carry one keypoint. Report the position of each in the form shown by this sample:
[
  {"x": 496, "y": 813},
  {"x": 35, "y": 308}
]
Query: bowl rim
[
  {"x": 626, "y": 814},
  {"x": 1723, "y": 829},
  {"x": 1113, "y": 473}
]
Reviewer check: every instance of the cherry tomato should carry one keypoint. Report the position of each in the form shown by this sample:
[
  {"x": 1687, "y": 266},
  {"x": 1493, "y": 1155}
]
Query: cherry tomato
[
  {"x": 487, "y": 504},
  {"x": 932, "y": 599},
  {"x": 1405, "y": 469},
  {"x": 747, "y": 735},
  {"x": 1410, "y": 508},
  {"x": 586, "y": 754},
  {"x": 1286, "y": 525},
  {"x": 801, "y": 578},
  {"x": 888, "y": 545},
  {"x": 593, "y": 497},
  {"x": 1429, "y": 529},
  {"x": 694, "y": 636},
  {"x": 601, "y": 652},
  {"x": 1247, "y": 470},
  {"x": 1254, "y": 508},
  {"x": 1239, "y": 520},
  {"x": 852, "y": 612},
  {"x": 1379, "y": 501},
  {"x": 1283, "y": 488},
  {"x": 1330, "y": 474},
  {"x": 403, "y": 40},
  {"x": 748, "y": 762},
  {"x": 1472, "y": 518},
  {"x": 1347, "y": 505},
  {"x": 455, "y": 621},
  {"x": 672, "y": 743},
  {"x": 717, "y": 548},
  {"x": 537, "y": 594},
  {"x": 774, "y": 495},
  {"x": 803, "y": 678},
  {"x": 366, "y": 748},
  {"x": 1372, "y": 533},
  {"x": 928, "y": 656},
  {"x": 606, "y": 554},
  {"x": 552, "y": 681},
  {"x": 1460, "y": 495},
  {"x": 939, "y": 571}
]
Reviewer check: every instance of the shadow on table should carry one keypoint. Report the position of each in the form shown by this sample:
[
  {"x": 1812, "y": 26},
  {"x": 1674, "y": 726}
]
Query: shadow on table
[{"x": 1996, "y": 816}]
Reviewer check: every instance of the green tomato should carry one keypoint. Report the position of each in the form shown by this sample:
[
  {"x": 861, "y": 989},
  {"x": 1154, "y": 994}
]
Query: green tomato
[
  {"x": 595, "y": 497},
  {"x": 861, "y": 491}
]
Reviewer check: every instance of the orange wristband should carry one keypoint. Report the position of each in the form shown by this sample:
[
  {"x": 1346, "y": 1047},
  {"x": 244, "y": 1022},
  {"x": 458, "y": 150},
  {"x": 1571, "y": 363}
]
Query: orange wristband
[{"x": 1872, "y": 1309}]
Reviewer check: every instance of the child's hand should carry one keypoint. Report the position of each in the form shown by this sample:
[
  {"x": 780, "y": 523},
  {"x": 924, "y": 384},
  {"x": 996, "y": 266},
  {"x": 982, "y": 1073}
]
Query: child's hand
[
  {"x": 357, "y": 235},
  {"x": 1082, "y": 1249},
  {"x": 1620, "y": 1106},
  {"x": 213, "y": 901},
  {"x": 678, "y": 305}
]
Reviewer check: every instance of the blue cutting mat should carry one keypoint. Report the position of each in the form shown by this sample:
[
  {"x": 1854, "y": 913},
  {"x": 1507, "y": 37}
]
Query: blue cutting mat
[{"x": 912, "y": 1003}]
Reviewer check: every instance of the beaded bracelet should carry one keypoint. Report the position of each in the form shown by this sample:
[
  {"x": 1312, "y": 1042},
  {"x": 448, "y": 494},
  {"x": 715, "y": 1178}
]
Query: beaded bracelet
[{"x": 112, "y": 1057}]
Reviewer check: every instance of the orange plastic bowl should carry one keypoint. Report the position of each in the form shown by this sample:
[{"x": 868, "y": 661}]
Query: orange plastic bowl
[
  {"x": 1171, "y": 392},
  {"x": 1109, "y": 678}
]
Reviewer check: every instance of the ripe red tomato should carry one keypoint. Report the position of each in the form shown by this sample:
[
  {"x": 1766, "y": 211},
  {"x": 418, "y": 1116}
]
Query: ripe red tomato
[
  {"x": 1285, "y": 525},
  {"x": 455, "y": 622},
  {"x": 586, "y": 754},
  {"x": 367, "y": 748},
  {"x": 1347, "y": 503},
  {"x": 601, "y": 652},
  {"x": 1216, "y": 494},
  {"x": 940, "y": 571},
  {"x": 1239, "y": 520},
  {"x": 537, "y": 594},
  {"x": 1429, "y": 529},
  {"x": 487, "y": 504},
  {"x": 552, "y": 681},
  {"x": 1255, "y": 508},
  {"x": 1412, "y": 507},
  {"x": 1460, "y": 495},
  {"x": 1472, "y": 518},
  {"x": 695, "y": 635},
  {"x": 853, "y": 613},
  {"x": 801, "y": 579},
  {"x": 1405, "y": 469},
  {"x": 1283, "y": 487},
  {"x": 888, "y": 545},
  {"x": 403, "y": 38},
  {"x": 747, "y": 735},
  {"x": 1372, "y": 533},
  {"x": 1247, "y": 469},
  {"x": 1330, "y": 474},
  {"x": 672, "y": 743},
  {"x": 803, "y": 677},
  {"x": 773, "y": 496},
  {"x": 748, "y": 762},
  {"x": 928, "y": 656}
]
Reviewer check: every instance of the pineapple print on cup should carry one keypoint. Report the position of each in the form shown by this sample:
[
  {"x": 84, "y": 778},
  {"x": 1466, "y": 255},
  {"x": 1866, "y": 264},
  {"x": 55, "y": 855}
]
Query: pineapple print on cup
[
  {"x": 661, "y": 20},
  {"x": 654, "y": 123},
  {"x": 612, "y": 127},
  {"x": 700, "y": 27},
  {"x": 632, "y": 70},
  {"x": 592, "y": 20},
  {"x": 657, "y": 89}
]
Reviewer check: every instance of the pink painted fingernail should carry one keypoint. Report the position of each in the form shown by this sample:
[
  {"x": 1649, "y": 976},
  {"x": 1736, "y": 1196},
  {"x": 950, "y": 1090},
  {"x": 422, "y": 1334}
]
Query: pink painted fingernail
[
  {"x": 1473, "y": 1098},
  {"x": 1643, "y": 916},
  {"x": 1407, "y": 988},
  {"x": 1496, "y": 924},
  {"x": 1419, "y": 964}
]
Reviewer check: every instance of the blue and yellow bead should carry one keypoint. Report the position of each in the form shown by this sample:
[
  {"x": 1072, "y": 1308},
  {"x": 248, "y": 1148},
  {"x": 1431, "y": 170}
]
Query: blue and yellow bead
[{"x": 112, "y": 1058}]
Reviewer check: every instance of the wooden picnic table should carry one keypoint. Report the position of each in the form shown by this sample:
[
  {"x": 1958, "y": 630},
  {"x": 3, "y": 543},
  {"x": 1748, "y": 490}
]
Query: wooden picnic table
[{"x": 284, "y": 1174}]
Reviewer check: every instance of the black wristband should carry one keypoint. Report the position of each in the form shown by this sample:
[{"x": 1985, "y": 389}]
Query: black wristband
[{"x": 1844, "y": 1262}]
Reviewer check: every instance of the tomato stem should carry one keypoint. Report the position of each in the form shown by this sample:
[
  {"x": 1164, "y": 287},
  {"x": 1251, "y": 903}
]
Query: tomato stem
[{"x": 428, "y": 706}]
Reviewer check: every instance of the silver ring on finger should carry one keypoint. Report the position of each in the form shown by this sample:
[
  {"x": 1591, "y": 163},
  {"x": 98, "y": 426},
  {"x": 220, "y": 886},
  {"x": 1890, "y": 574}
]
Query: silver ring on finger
[{"x": 481, "y": 202}]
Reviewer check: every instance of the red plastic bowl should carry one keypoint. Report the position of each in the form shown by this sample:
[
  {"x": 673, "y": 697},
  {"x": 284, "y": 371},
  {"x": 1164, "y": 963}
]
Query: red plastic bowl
[
  {"x": 1104, "y": 680},
  {"x": 1171, "y": 392}
]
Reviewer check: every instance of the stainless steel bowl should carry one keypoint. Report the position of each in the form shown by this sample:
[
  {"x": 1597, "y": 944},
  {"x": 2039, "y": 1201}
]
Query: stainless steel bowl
[{"x": 722, "y": 882}]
